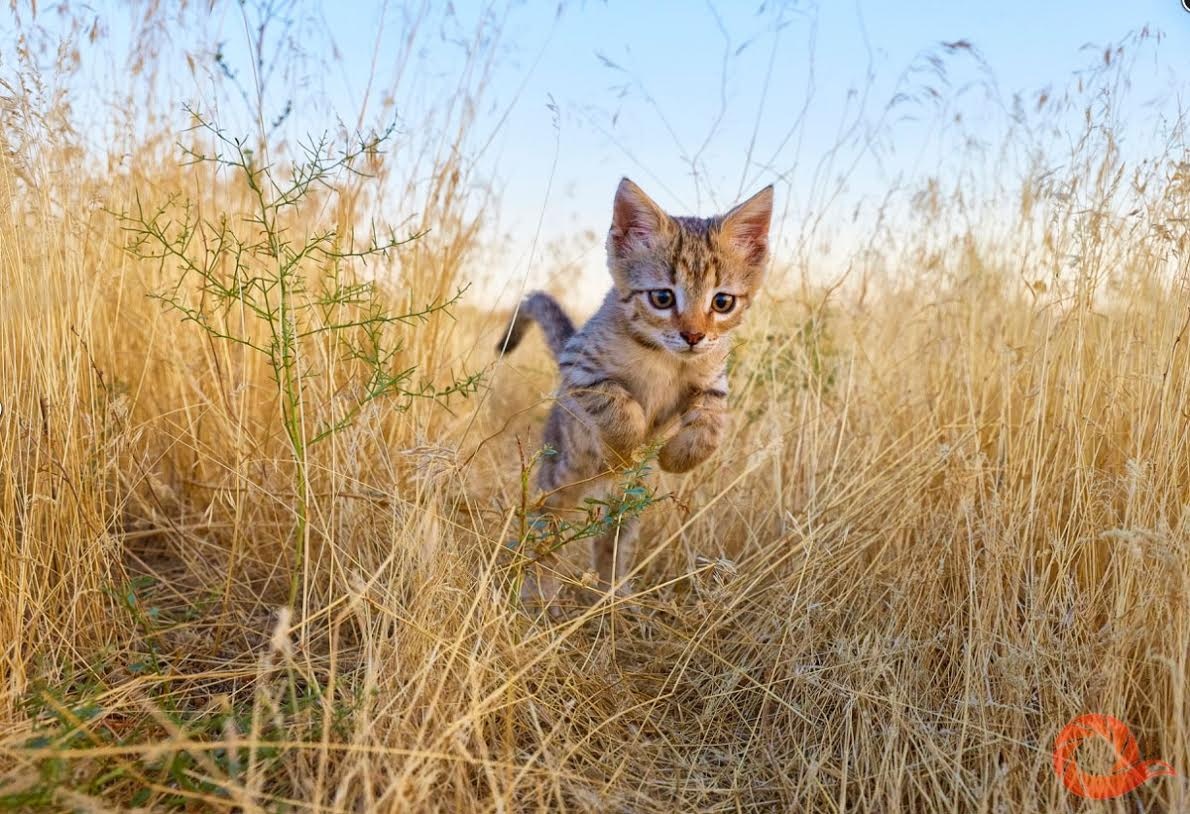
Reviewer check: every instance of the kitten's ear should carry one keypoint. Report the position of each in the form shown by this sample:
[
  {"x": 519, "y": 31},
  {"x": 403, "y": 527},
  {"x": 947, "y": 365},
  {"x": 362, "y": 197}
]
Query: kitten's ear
[
  {"x": 747, "y": 226},
  {"x": 636, "y": 220}
]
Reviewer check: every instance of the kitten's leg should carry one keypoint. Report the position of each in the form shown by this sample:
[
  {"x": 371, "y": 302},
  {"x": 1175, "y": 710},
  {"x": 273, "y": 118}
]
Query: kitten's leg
[
  {"x": 620, "y": 422},
  {"x": 704, "y": 423},
  {"x": 611, "y": 410},
  {"x": 566, "y": 477}
]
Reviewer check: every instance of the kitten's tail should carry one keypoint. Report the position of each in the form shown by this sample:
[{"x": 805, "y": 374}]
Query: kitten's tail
[{"x": 545, "y": 311}]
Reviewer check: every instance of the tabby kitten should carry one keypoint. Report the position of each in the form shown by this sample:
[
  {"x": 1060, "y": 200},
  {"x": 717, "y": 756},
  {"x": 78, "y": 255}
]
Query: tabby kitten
[{"x": 653, "y": 356}]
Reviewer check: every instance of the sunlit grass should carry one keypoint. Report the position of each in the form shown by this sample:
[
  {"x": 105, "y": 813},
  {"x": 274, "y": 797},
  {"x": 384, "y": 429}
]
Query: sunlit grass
[{"x": 952, "y": 514}]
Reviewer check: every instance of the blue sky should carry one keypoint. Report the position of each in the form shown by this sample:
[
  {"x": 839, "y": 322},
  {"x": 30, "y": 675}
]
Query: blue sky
[
  {"x": 699, "y": 102},
  {"x": 652, "y": 90}
]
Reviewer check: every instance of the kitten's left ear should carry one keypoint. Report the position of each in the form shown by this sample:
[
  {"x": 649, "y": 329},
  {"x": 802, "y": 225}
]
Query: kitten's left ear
[{"x": 747, "y": 226}]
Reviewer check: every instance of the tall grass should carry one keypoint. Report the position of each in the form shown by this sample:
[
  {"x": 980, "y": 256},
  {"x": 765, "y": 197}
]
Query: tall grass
[{"x": 953, "y": 513}]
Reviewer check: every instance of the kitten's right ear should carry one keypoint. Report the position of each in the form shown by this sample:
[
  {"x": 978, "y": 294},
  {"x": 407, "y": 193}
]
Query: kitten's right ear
[{"x": 636, "y": 220}]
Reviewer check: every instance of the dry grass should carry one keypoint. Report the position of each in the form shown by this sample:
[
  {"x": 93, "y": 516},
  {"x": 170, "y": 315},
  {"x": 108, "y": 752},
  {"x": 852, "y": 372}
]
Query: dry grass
[{"x": 953, "y": 514}]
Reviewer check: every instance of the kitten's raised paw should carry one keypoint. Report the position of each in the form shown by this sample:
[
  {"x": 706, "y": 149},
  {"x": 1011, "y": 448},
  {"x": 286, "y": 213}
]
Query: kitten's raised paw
[
  {"x": 627, "y": 429},
  {"x": 682, "y": 453}
]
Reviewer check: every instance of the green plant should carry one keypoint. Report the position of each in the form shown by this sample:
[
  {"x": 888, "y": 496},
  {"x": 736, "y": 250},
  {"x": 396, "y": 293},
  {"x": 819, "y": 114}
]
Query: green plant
[
  {"x": 267, "y": 282},
  {"x": 543, "y": 534}
]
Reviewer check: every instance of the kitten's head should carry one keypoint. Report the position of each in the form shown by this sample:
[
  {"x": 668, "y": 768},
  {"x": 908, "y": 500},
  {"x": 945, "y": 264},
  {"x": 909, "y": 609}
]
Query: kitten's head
[{"x": 685, "y": 283}]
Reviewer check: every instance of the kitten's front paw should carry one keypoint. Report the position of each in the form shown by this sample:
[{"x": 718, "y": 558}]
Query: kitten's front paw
[
  {"x": 686, "y": 450},
  {"x": 626, "y": 430}
]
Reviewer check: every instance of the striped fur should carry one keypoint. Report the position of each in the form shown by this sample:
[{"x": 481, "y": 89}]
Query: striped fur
[
  {"x": 543, "y": 309},
  {"x": 637, "y": 371}
]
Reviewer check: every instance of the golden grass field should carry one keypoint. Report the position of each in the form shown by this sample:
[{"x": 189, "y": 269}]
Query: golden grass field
[{"x": 953, "y": 513}]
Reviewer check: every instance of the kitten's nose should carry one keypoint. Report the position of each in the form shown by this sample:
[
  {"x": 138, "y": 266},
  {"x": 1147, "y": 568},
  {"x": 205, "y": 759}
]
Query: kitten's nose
[{"x": 692, "y": 339}]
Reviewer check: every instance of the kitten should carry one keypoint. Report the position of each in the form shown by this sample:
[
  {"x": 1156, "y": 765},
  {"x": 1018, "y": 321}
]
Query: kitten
[{"x": 653, "y": 355}]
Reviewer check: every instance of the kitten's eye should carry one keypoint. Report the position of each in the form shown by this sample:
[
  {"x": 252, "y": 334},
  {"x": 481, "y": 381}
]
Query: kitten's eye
[
  {"x": 723, "y": 303},
  {"x": 661, "y": 298}
]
